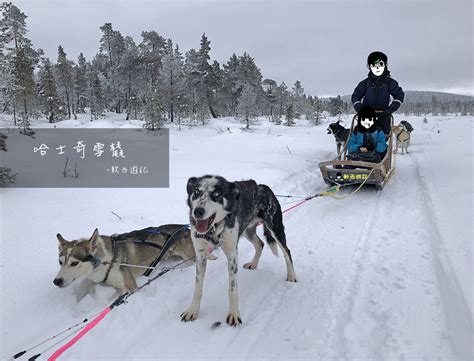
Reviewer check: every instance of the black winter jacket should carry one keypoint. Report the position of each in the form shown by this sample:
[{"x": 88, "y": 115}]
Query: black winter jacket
[{"x": 375, "y": 91}]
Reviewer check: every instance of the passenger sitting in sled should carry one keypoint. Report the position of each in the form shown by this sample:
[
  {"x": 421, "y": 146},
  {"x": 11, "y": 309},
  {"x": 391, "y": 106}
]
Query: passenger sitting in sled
[{"x": 367, "y": 142}]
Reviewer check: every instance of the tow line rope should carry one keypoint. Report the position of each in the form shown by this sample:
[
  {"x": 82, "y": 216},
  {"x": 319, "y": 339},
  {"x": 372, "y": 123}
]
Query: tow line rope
[
  {"x": 89, "y": 323},
  {"x": 119, "y": 301},
  {"x": 289, "y": 196},
  {"x": 328, "y": 192},
  {"x": 21, "y": 353}
]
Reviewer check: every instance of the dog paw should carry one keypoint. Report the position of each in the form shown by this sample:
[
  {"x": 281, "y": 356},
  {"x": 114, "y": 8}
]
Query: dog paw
[
  {"x": 233, "y": 319},
  {"x": 189, "y": 315},
  {"x": 291, "y": 279},
  {"x": 211, "y": 257},
  {"x": 250, "y": 265}
]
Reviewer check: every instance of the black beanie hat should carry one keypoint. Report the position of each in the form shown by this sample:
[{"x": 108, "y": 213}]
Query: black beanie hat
[
  {"x": 375, "y": 56},
  {"x": 366, "y": 112}
]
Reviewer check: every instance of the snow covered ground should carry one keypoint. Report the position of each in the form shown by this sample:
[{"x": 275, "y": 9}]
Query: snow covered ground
[{"x": 382, "y": 274}]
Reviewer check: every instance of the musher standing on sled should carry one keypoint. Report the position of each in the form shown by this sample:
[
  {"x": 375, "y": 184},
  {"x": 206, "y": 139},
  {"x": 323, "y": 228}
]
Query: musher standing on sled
[{"x": 376, "y": 89}]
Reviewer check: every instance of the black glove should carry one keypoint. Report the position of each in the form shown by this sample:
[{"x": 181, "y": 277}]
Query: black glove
[
  {"x": 393, "y": 107},
  {"x": 370, "y": 143},
  {"x": 357, "y": 106}
]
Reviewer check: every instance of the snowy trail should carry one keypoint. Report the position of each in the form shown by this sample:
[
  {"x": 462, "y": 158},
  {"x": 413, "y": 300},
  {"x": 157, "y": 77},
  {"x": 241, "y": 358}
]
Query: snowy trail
[
  {"x": 384, "y": 277},
  {"x": 310, "y": 305},
  {"x": 342, "y": 312},
  {"x": 400, "y": 287},
  {"x": 455, "y": 306},
  {"x": 391, "y": 264}
]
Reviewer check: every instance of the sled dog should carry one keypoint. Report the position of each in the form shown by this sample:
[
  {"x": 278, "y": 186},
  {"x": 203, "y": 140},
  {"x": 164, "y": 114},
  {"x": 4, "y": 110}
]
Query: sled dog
[
  {"x": 408, "y": 127},
  {"x": 402, "y": 138},
  {"x": 340, "y": 133},
  {"x": 219, "y": 213},
  {"x": 101, "y": 258}
]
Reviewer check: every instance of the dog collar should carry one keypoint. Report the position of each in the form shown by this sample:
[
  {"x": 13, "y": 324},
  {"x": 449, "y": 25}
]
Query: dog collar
[
  {"x": 209, "y": 237},
  {"x": 96, "y": 262}
]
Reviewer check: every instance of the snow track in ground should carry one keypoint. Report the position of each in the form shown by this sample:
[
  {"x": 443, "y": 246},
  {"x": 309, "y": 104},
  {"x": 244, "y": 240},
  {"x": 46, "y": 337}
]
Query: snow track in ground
[
  {"x": 335, "y": 338},
  {"x": 458, "y": 315},
  {"x": 400, "y": 284},
  {"x": 394, "y": 281}
]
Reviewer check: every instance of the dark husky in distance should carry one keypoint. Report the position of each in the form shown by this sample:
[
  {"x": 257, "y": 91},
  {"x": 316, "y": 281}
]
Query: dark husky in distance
[{"x": 341, "y": 134}]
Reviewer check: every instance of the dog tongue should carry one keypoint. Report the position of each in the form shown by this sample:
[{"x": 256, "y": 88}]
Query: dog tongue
[{"x": 202, "y": 225}]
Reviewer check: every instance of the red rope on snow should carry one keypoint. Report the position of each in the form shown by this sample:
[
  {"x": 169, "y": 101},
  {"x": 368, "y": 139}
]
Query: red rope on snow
[
  {"x": 296, "y": 205},
  {"x": 289, "y": 209},
  {"x": 86, "y": 329}
]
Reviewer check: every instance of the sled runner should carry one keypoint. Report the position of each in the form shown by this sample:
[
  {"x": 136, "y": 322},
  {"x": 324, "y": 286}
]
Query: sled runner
[{"x": 343, "y": 171}]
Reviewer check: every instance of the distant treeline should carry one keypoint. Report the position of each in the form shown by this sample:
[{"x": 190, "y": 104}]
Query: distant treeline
[
  {"x": 429, "y": 102},
  {"x": 438, "y": 107},
  {"x": 152, "y": 81}
]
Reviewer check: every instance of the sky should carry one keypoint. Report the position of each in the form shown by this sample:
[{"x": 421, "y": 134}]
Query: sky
[{"x": 324, "y": 44}]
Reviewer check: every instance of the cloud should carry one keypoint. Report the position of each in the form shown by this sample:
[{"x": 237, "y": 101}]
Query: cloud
[{"x": 324, "y": 44}]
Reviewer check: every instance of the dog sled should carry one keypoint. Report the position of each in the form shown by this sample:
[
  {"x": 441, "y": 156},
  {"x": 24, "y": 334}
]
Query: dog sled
[{"x": 343, "y": 171}]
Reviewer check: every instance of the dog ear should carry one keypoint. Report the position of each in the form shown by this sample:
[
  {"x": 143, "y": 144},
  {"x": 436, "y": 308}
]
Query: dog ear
[
  {"x": 62, "y": 241},
  {"x": 234, "y": 190},
  {"x": 93, "y": 240},
  {"x": 190, "y": 185}
]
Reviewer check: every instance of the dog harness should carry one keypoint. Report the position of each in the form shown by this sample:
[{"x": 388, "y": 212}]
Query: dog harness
[
  {"x": 339, "y": 135},
  {"x": 136, "y": 234},
  {"x": 168, "y": 243},
  {"x": 399, "y": 134},
  {"x": 111, "y": 262},
  {"x": 124, "y": 239}
]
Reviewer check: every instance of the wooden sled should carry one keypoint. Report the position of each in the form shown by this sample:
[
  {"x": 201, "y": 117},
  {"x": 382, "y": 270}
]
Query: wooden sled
[{"x": 342, "y": 171}]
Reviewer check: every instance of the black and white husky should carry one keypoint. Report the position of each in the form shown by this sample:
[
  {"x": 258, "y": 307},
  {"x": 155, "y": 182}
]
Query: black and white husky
[{"x": 220, "y": 212}]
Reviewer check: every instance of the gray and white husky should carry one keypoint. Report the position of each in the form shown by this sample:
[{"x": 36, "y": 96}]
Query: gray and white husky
[
  {"x": 101, "y": 258},
  {"x": 220, "y": 212},
  {"x": 402, "y": 138}
]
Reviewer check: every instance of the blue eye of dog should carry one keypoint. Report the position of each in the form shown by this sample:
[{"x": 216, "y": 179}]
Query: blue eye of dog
[
  {"x": 197, "y": 192},
  {"x": 73, "y": 264},
  {"x": 216, "y": 194}
]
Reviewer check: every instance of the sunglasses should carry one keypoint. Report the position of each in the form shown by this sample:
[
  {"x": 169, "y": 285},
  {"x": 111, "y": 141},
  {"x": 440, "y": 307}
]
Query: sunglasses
[{"x": 378, "y": 64}]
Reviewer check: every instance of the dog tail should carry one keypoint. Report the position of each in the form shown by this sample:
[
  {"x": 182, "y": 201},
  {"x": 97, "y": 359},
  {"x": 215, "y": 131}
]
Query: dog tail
[{"x": 270, "y": 240}]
